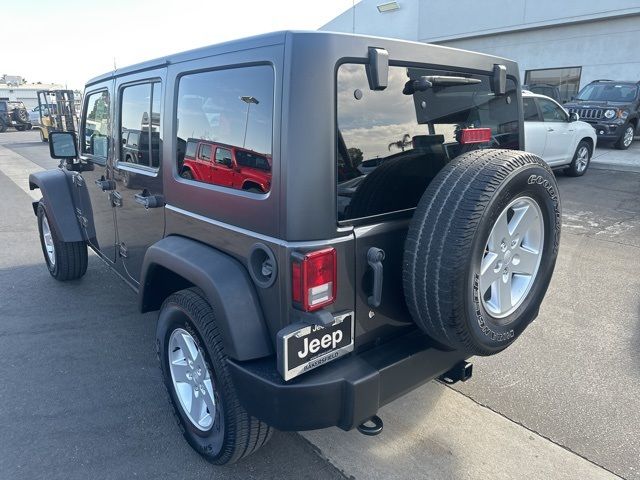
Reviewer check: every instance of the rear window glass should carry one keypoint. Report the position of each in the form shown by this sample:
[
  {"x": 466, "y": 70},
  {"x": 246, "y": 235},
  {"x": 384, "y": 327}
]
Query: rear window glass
[
  {"x": 391, "y": 144},
  {"x": 252, "y": 160}
]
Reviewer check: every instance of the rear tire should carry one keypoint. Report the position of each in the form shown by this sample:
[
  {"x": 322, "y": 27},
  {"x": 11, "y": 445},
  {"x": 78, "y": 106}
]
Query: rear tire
[
  {"x": 186, "y": 174},
  {"x": 20, "y": 128},
  {"x": 451, "y": 242},
  {"x": 228, "y": 433},
  {"x": 65, "y": 260},
  {"x": 581, "y": 160}
]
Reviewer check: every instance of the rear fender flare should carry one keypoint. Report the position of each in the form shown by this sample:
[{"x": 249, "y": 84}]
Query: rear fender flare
[{"x": 175, "y": 262}]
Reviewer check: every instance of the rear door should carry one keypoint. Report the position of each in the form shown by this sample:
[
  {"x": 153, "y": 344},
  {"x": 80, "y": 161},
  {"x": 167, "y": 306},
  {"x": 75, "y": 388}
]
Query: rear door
[
  {"x": 139, "y": 200},
  {"x": 410, "y": 138}
]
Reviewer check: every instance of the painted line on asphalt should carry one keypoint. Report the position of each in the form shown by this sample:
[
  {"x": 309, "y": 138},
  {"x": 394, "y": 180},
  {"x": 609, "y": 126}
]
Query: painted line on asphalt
[{"x": 17, "y": 168}]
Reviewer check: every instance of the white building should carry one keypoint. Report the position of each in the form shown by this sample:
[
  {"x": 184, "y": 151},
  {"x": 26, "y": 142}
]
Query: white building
[
  {"x": 564, "y": 43},
  {"x": 26, "y": 93}
]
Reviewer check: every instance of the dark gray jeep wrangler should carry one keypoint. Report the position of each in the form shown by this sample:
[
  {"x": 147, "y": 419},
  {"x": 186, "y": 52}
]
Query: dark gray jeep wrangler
[{"x": 399, "y": 229}]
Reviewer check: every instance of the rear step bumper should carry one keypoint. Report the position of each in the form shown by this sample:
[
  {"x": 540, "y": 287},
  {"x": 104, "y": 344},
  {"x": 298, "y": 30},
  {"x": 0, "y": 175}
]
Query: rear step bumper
[{"x": 343, "y": 393}]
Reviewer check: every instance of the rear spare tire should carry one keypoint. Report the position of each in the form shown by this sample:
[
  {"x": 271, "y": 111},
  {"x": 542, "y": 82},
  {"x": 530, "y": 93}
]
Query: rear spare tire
[{"x": 481, "y": 249}]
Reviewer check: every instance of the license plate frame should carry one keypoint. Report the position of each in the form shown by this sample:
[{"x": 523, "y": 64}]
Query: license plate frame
[{"x": 292, "y": 338}]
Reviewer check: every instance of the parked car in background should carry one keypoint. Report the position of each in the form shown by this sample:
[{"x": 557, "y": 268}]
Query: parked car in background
[
  {"x": 226, "y": 165},
  {"x": 556, "y": 136},
  {"x": 612, "y": 108},
  {"x": 14, "y": 114},
  {"x": 544, "y": 89},
  {"x": 34, "y": 113}
]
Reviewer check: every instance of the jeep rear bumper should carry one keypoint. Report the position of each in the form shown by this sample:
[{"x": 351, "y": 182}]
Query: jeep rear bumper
[{"x": 343, "y": 393}]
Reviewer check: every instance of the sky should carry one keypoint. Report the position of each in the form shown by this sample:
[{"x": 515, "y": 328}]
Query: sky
[{"x": 70, "y": 41}]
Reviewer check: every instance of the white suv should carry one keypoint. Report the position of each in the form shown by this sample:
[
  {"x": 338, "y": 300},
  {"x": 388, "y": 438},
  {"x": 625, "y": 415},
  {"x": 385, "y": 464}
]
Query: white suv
[{"x": 555, "y": 136}]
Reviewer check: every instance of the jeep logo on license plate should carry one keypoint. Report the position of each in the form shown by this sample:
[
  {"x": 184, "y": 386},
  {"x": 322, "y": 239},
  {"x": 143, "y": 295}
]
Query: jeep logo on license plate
[{"x": 303, "y": 347}]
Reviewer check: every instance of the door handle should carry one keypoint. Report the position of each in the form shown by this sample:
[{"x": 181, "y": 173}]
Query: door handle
[
  {"x": 550, "y": 129},
  {"x": 106, "y": 185},
  {"x": 149, "y": 201},
  {"x": 375, "y": 256}
]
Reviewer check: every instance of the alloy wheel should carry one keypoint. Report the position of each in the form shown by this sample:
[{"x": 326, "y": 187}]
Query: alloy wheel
[
  {"x": 192, "y": 382},
  {"x": 511, "y": 257},
  {"x": 582, "y": 160},
  {"x": 48, "y": 241},
  {"x": 628, "y": 136}
]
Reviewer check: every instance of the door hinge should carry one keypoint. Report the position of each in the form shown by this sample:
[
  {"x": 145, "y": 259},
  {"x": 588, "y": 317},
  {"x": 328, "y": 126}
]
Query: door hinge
[
  {"x": 116, "y": 199},
  {"x": 122, "y": 250},
  {"x": 78, "y": 181},
  {"x": 81, "y": 218}
]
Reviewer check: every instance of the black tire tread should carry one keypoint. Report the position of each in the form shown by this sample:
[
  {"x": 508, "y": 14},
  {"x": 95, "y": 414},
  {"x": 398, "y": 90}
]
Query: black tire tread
[
  {"x": 245, "y": 434},
  {"x": 438, "y": 244},
  {"x": 71, "y": 257}
]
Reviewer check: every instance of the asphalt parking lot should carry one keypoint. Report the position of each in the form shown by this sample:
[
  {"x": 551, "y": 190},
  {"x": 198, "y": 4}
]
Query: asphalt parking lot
[{"x": 81, "y": 394}]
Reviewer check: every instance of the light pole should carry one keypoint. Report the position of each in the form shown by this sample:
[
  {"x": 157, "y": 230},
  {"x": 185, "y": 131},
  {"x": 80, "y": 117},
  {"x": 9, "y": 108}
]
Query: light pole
[{"x": 248, "y": 100}]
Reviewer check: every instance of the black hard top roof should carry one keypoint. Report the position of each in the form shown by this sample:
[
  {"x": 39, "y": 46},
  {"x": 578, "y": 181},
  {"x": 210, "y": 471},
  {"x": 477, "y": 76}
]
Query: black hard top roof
[{"x": 268, "y": 39}]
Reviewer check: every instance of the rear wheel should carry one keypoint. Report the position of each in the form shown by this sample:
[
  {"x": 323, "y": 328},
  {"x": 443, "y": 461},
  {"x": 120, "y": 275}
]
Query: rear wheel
[
  {"x": 626, "y": 139},
  {"x": 186, "y": 174},
  {"x": 65, "y": 260},
  {"x": 481, "y": 249},
  {"x": 197, "y": 379},
  {"x": 20, "y": 128},
  {"x": 581, "y": 160}
]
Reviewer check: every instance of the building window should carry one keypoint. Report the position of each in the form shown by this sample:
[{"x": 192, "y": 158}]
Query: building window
[{"x": 558, "y": 83}]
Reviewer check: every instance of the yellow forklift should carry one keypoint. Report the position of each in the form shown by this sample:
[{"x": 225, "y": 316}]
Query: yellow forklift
[{"x": 57, "y": 112}]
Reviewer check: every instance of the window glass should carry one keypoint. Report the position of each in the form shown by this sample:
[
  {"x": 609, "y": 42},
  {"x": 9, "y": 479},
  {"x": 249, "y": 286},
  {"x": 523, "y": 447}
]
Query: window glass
[
  {"x": 609, "y": 92},
  {"x": 391, "y": 143},
  {"x": 530, "y": 110},
  {"x": 551, "y": 112},
  {"x": 232, "y": 108},
  {"x": 561, "y": 84},
  {"x": 95, "y": 137},
  {"x": 223, "y": 156},
  {"x": 205, "y": 152},
  {"x": 139, "y": 118}
]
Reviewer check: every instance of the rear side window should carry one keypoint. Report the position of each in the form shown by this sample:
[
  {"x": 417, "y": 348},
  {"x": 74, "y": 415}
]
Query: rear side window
[
  {"x": 95, "y": 134},
  {"x": 409, "y": 136},
  {"x": 232, "y": 109}
]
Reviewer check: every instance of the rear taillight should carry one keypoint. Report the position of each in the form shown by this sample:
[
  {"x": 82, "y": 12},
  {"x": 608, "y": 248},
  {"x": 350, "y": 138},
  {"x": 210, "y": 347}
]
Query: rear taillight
[
  {"x": 313, "y": 279},
  {"x": 474, "y": 135}
]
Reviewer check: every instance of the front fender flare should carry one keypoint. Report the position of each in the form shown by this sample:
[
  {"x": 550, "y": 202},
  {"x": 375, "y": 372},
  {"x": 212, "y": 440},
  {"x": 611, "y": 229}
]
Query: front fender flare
[
  {"x": 56, "y": 193},
  {"x": 225, "y": 283}
]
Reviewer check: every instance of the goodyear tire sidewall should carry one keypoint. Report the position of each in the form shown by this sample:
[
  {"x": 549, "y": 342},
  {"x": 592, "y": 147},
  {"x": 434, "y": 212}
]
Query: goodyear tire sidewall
[{"x": 537, "y": 182}]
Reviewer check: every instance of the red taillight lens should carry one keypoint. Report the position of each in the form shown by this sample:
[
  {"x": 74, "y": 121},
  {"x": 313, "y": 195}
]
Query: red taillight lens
[
  {"x": 313, "y": 279},
  {"x": 475, "y": 135}
]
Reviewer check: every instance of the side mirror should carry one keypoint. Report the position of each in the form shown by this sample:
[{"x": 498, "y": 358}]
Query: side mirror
[
  {"x": 574, "y": 117},
  {"x": 63, "y": 145},
  {"x": 378, "y": 68},
  {"x": 499, "y": 79}
]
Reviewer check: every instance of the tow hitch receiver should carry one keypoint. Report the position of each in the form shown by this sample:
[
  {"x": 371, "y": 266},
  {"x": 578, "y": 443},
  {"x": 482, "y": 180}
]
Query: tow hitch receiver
[
  {"x": 461, "y": 372},
  {"x": 371, "y": 427}
]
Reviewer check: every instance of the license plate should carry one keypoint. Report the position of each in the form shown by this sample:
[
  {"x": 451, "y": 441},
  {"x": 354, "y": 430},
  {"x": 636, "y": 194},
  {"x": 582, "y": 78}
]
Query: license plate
[{"x": 301, "y": 349}]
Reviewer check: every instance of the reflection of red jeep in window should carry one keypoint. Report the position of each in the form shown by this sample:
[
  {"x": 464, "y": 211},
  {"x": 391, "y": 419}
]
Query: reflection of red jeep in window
[{"x": 226, "y": 165}]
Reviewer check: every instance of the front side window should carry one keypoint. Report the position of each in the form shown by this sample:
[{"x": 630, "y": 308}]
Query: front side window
[
  {"x": 228, "y": 109},
  {"x": 139, "y": 122},
  {"x": 95, "y": 134},
  {"x": 531, "y": 113},
  {"x": 551, "y": 112},
  {"x": 392, "y": 143}
]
